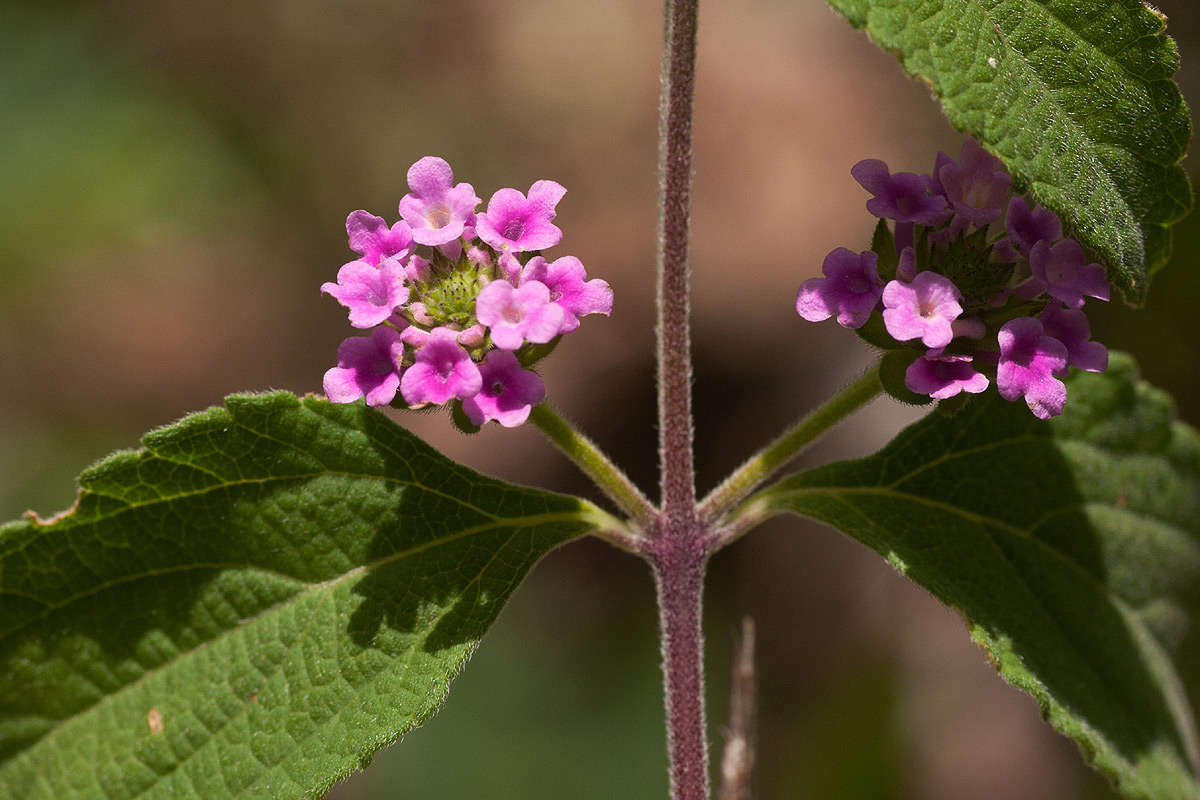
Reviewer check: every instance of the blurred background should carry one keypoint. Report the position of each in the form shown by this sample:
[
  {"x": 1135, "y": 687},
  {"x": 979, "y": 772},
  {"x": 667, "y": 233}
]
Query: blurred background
[{"x": 173, "y": 180}]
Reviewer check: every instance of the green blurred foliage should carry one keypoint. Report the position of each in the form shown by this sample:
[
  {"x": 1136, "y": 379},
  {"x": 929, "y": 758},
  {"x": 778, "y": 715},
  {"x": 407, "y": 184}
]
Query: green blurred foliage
[{"x": 96, "y": 155}]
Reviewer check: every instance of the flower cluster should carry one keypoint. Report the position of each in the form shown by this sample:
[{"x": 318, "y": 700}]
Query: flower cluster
[
  {"x": 977, "y": 284},
  {"x": 460, "y": 302}
]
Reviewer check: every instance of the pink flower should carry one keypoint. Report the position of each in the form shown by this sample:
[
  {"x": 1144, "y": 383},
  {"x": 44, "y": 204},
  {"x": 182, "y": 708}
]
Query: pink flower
[
  {"x": 569, "y": 288},
  {"x": 442, "y": 370},
  {"x": 371, "y": 238},
  {"x": 944, "y": 375},
  {"x": 1028, "y": 362},
  {"x": 508, "y": 393},
  {"x": 1064, "y": 272},
  {"x": 367, "y": 368},
  {"x": 515, "y": 223},
  {"x": 517, "y": 315},
  {"x": 436, "y": 210},
  {"x": 924, "y": 309},
  {"x": 849, "y": 289},
  {"x": 371, "y": 293}
]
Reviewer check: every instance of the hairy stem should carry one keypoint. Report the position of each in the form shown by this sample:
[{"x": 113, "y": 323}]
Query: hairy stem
[
  {"x": 788, "y": 445},
  {"x": 596, "y": 465},
  {"x": 674, "y": 341},
  {"x": 679, "y": 574}
]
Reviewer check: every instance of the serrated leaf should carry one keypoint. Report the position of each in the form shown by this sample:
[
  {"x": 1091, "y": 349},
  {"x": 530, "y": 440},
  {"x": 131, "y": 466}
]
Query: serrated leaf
[
  {"x": 253, "y": 604},
  {"x": 1072, "y": 548},
  {"x": 1076, "y": 97}
]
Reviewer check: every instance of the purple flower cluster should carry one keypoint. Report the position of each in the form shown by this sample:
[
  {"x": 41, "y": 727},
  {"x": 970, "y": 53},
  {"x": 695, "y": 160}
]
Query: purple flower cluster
[
  {"x": 978, "y": 283},
  {"x": 461, "y": 302}
]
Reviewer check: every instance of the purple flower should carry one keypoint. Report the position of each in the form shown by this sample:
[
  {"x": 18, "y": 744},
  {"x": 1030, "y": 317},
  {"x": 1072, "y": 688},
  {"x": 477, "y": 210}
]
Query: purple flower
[
  {"x": 371, "y": 238},
  {"x": 442, "y": 370},
  {"x": 944, "y": 375},
  {"x": 1029, "y": 361},
  {"x": 976, "y": 185},
  {"x": 903, "y": 197},
  {"x": 515, "y": 223},
  {"x": 1064, "y": 272},
  {"x": 924, "y": 309},
  {"x": 1070, "y": 326},
  {"x": 367, "y": 368},
  {"x": 569, "y": 288},
  {"x": 849, "y": 289},
  {"x": 517, "y": 315},
  {"x": 436, "y": 210},
  {"x": 371, "y": 293},
  {"x": 1026, "y": 227},
  {"x": 508, "y": 392}
]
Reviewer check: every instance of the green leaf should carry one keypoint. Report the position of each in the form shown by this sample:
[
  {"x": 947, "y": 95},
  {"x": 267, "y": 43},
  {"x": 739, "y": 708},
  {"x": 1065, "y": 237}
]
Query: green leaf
[
  {"x": 1077, "y": 99},
  {"x": 1072, "y": 548},
  {"x": 253, "y": 604}
]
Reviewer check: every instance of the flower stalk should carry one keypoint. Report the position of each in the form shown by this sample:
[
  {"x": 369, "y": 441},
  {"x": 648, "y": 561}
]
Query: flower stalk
[
  {"x": 787, "y": 446},
  {"x": 596, "y": 465}
]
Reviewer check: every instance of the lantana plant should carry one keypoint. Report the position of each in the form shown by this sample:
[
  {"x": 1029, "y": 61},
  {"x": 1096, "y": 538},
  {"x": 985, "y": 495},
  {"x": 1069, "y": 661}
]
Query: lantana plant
[{"x": 267, "y": 593}]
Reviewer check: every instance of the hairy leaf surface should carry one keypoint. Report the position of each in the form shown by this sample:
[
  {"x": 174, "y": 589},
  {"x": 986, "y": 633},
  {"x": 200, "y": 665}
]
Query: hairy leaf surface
[
  {"x": 253, "y": 604},
  {"x": 1076, "y": 96},
  {"x": 1072, "y": 548}
]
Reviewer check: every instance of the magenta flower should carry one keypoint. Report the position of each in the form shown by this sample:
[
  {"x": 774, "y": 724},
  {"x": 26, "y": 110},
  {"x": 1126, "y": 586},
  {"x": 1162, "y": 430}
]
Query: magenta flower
[
  {"x": 367, "y": 368},
  {"x": 1070, "y": 326},
  {"x": 371, "y": 293},
  {"x": 944, "y": 375},
  {"x": 508, "y": 393},
  {"x": 1029, "y": 361},
  {"x": 371, "y": 238},
  {"x": 435, "y": 209},
  {"x": 442, "y": 370},
  {"x": 976, "y": 185},
  {"x": 849, "y": 289},
  {"x": 515, "y": 223},
  {"x": 1064, "y": 272},
  {"x": 517, "y": 315},
  {"x": 569, "y": 288},
  {"x": 904, "y": 196},
  {"x": 924, "y": 309}
]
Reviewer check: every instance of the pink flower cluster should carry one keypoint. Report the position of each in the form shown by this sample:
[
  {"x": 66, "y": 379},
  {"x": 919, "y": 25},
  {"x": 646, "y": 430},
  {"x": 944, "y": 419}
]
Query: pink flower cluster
[
  {"x": 460, "y": 302},
  {"x": 980, "y": 285}
]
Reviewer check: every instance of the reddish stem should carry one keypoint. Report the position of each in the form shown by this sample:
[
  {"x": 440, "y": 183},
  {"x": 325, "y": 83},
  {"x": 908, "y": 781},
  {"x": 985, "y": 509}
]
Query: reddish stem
[
  {"x": 678, "y": 565},
  {"x": 674, "y": 342}
]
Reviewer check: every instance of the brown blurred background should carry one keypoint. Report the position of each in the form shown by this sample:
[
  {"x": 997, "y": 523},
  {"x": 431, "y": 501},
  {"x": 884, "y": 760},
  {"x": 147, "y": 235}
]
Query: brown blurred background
[{"x": 173, "y": 180}]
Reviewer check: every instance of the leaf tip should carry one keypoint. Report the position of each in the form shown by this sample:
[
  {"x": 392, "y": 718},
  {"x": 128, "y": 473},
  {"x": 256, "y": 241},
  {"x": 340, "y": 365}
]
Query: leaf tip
[{"x": 1162, "y": 18}]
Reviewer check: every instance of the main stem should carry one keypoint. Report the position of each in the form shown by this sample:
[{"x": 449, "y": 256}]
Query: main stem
[
  {"x": 678, "y": 551},
  {"x": 679, "y": 576},
  {"x": 674, "y": 340}
]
